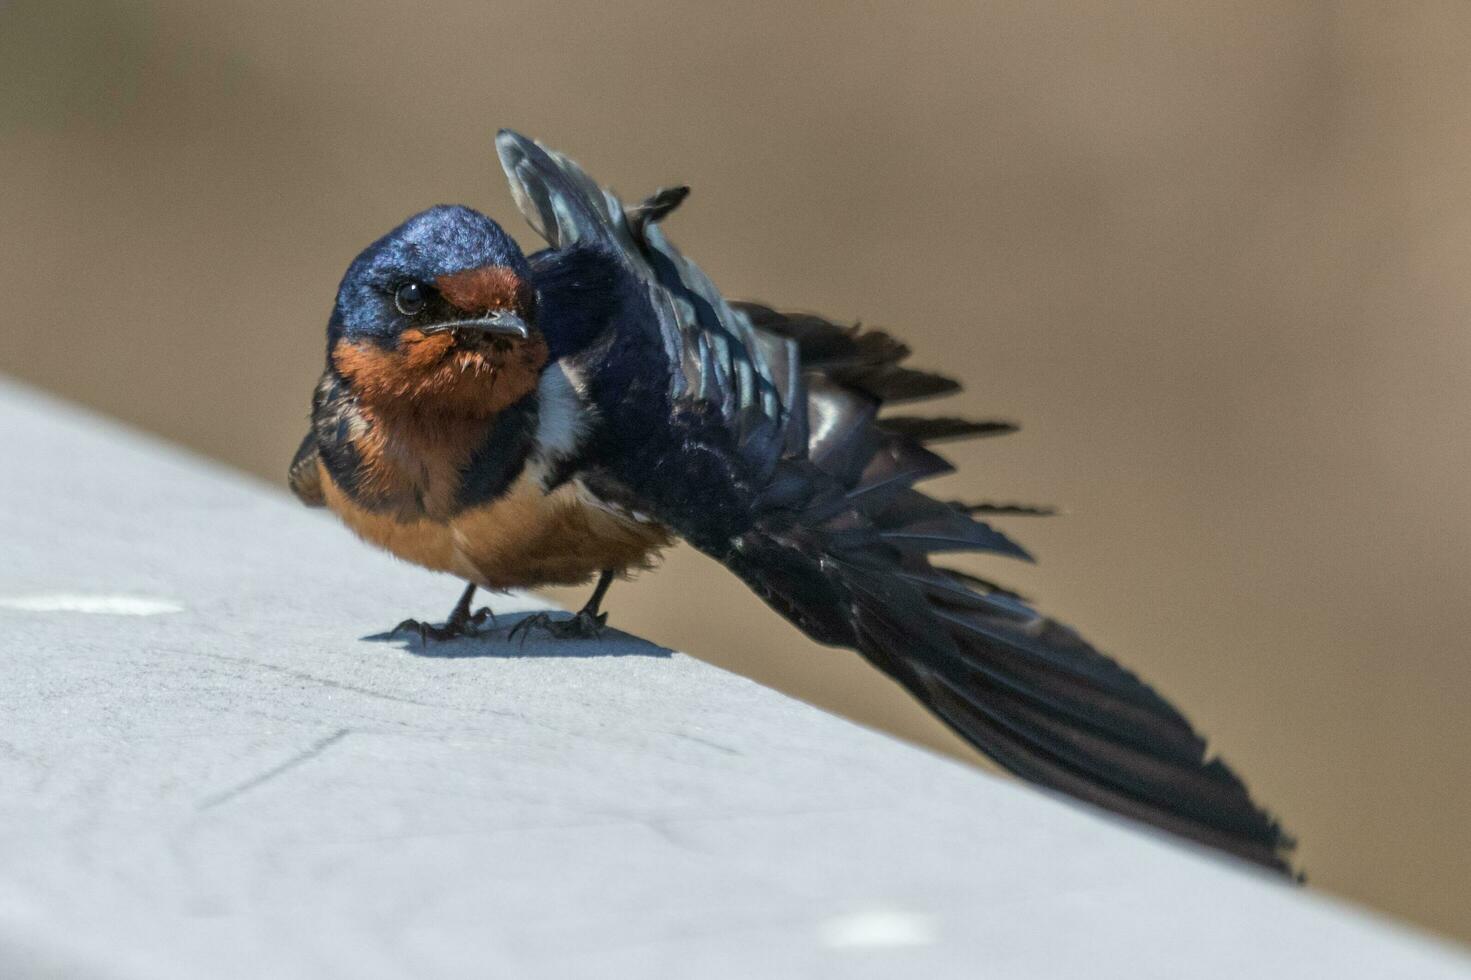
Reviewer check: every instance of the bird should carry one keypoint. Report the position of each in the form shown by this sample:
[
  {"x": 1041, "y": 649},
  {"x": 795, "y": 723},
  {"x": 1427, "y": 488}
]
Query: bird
[{"x": 561, "y": 417}]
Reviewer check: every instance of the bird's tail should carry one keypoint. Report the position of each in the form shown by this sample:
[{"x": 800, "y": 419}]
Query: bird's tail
[
  {"x": 856, "y": 569},
  {"x": 1034, "y": 696}
]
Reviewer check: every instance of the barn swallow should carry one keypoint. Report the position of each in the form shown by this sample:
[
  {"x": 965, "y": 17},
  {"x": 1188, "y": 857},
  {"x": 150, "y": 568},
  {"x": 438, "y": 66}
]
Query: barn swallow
[{"x": 522, "y": 421}]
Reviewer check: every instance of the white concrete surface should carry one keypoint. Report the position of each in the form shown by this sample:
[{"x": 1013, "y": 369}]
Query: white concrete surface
[{"x": 207, "y": 771}]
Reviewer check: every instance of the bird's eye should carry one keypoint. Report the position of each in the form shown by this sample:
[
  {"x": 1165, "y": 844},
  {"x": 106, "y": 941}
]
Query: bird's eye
[{"x": 409, "y": 298}]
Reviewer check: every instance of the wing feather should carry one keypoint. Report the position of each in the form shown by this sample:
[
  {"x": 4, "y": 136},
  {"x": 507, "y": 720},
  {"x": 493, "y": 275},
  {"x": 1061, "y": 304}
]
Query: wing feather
[{"x": 782, "y": 448}]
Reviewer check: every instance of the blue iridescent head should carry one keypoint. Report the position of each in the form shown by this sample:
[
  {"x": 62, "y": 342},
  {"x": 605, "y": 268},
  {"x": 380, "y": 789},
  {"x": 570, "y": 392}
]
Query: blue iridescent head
[
  {"x": 447, "y": 265},
  {"x": 441, "y": 310}
]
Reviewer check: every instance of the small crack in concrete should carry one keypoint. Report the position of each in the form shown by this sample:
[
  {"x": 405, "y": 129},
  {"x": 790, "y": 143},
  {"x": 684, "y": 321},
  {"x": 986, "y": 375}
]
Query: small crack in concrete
[
  {"x": 305, "y": 755},
  {"x": 707, "y": 742},
  {"x": 310, "y": 678}
]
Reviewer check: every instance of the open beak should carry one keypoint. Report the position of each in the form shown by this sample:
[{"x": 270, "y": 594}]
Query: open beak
[{"x": 500, "y": 323}]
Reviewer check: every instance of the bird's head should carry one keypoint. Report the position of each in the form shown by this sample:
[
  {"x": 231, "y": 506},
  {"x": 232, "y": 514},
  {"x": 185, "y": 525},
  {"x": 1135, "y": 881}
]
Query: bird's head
[{"x": 439, "y": 315}]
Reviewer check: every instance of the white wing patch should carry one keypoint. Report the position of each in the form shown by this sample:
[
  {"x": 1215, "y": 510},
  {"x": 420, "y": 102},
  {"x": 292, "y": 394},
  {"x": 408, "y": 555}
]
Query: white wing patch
[{"x": 562, "y": 416}]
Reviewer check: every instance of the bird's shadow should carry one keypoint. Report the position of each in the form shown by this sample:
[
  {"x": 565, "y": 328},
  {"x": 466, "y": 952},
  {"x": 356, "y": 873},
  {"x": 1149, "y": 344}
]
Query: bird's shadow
[{"x": 496, "y": 641}]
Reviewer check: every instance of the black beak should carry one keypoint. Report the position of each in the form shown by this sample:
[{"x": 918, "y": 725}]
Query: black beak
[{"x": 501, "y": 323}]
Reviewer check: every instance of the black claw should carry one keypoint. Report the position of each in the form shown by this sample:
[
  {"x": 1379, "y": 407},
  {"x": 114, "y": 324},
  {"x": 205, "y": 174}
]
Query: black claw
[
  {"x": 409, "y": 626},
  {"x": 535, "y": 621},
  {"x": 583, "y": 626},
  {"x": 453, "y": 629}
]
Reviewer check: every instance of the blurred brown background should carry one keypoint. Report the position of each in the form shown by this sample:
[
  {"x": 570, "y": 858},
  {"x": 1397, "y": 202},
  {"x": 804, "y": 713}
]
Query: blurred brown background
[{"x": 1214, "y": 255}]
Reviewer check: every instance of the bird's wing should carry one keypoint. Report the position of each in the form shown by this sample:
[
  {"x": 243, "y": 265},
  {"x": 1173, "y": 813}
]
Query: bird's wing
[
  {"x": 765, "y": 448},
  {"x": 719, "y": 359},
  {"x": 304, "y": 477}
]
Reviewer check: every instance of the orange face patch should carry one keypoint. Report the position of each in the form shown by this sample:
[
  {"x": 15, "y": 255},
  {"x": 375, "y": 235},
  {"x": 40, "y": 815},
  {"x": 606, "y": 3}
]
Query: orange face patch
[
  {"x": 493, "y": 287},
  {"x": 433, "y": 374}
]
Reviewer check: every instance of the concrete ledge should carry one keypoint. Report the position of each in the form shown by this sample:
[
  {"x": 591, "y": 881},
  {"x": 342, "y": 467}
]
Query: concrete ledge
[{"x": 208, "y": 771}]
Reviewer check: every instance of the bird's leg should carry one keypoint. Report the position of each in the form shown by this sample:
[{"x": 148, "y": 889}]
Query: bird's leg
[
  {"x": 590, "y": 610},
  {"x": 588, "y": 622},
  {"x": 461, "y": 621},
  {"x": 462, "y": 617}
]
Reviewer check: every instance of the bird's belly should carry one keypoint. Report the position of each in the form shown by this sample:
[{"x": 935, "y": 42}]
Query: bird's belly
[
  {"x": 529, "y": 537},
  {"x": 523, "y": 539}
]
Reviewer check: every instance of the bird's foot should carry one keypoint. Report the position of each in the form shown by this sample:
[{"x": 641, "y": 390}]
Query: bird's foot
[
  {"x": 583, "y": 626},
  {"x": 454, "y": 627}
]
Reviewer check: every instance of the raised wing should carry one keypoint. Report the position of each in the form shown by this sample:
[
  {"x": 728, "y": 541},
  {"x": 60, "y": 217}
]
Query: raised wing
[
  {"x": 776, "y": 461},
  {"x": 718, "y": 357}
]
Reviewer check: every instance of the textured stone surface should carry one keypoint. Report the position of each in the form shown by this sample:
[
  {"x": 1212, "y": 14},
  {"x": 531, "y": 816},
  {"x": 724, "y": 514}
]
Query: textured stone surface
[{"x": 208, "y": 769}]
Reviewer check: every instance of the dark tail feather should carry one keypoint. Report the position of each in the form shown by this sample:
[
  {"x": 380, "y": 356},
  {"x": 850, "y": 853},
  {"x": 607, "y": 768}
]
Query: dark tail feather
[
  {"x": 862, "y": 360},
  {"x": 940, "y": 428},
  {"x": 1024, "y": 689},
  {"x": 1005, "y": 510},
  {"x": 843, "y": 550},
  {"x": 1036, "y": 698}
]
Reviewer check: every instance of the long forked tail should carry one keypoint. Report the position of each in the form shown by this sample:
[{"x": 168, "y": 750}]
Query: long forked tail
[
  {"x": 1031, "y": 694},
  {"x": 1022, "y": 688}
]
